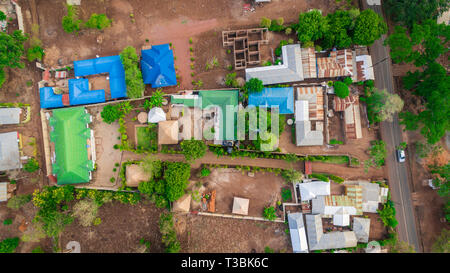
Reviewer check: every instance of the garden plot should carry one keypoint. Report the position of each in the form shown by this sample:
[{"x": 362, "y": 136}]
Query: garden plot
[{"x": 262, "y": 190}]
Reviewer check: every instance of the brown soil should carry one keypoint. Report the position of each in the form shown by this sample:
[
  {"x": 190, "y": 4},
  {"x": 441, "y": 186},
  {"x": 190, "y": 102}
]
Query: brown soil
[
  {"x": 262, "y": 190},
  {"x": 202, "y": 234},
  {"x": 121, "y": 229}
]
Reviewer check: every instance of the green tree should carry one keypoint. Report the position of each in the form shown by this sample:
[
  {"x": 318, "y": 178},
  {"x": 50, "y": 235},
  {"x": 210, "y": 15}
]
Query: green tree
[
  {"x": 151, "y": 165},
  {"x": 340, "y": 23},
  {"x": 176, "y": 176},
  {"x": 168, "y": 233},
  {"x": 99, "y": 21},
  {"x": 442, "y": 243},
  {"x": 2, "y": 16},
  {"x": 442, "y": 178},
  {"x": 423, "y": 45},
  {"x": 311, "y": 26},
  {"x": 409, "y": 12},
  {"x": 291, "y": 175},
  {"x": 111, "y": 113},
  {"x": 254, "y": 85},
  {"x": 381, "y": 105},
  {"x": 341, "y": 90},
  {"x": 12, "y": 49},
  {"x": 433, "y": 84},
  {"x": 193, "y": 149},
  {"x": 133, "y": 75},
  {"x": 369, "y": 26},
  {"x": 9, "y": 245}
]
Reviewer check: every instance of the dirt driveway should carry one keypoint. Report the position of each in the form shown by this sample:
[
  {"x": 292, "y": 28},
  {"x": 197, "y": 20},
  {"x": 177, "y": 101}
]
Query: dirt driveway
[{"x": 262, "y": 190}]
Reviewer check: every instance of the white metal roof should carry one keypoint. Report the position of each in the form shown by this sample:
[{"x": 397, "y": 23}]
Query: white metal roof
[
  {"x": 9, "y": 151},
  {"x": 297, "y": 232},
  {"x": 309, "y": 190},
  {"x": 10, "y": 116}
]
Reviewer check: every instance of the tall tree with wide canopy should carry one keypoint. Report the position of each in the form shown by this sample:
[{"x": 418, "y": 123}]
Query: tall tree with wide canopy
[
  {"x": 424, "y": 44},
  {"x": 311, "y": 26},
  {"x": 409, "y": 12},
  {"x": 369, "y": 27}
]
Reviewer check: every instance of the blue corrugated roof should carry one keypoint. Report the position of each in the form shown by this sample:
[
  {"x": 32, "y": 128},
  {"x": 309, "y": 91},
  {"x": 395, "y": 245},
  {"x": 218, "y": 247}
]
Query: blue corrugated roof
[
  {"x": 157, "y": 66},
  {"x": 49, "y": 99},
  {"x": 282, "y": 97},
  {"x": 112, "y": 65},
  {"x": 79, "y": 93}
]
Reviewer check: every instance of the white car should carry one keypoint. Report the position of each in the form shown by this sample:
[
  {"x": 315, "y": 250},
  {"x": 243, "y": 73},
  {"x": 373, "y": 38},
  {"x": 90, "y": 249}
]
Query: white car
[{"x": 401, "y": 155}]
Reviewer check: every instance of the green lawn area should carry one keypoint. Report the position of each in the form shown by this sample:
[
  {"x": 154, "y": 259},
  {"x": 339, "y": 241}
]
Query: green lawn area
[{"x": 147, "y": 137}]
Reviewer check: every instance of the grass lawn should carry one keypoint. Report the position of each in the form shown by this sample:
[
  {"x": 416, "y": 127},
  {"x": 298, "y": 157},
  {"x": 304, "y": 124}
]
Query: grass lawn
[{"x": 147, "y": 137}]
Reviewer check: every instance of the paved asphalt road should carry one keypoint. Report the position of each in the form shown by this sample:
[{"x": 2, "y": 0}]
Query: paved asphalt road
[{"x": 399, "y": 179}]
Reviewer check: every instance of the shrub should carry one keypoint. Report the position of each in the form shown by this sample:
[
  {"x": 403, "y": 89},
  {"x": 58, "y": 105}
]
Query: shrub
[
  {"x": 335, "y": 141},
  {"x": 254, "y": 85},
  {"x": 286, "y": 195},
  {"x": 35, "y": 52},
  {"x": 32, "y": 165},
  {"x": 97, "y": 221},
  {"x": 37, "y": 250},
  {"x": 341, "y": 90},
  {"x": 265, "y": 22},
  {"x": 288, "y": 31},
  {"x": 319, "y": 176},
  {"x": 16, "y": 202},
  {"x": 2, "y": 16},
  {"x": 336, "y": 179},
  {"x": 348, "y": 81},
  {"x": 230, "y": 80},
  {"x": 111, "y": 113},
  {"x": 133, "y": 75},
  {"x": 9, "y": 245},
  {"x": 269, "y": 213},
  {"x": 7, "y": 222},
  {"x": 70, "y": 22},
  {"x": 268, "y": 250},
  {"x": 205, "y": 172},
  {"x": 98, "y": 21}
]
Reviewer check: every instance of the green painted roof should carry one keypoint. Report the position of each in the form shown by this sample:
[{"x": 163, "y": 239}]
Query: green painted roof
[
  {"x": 69, "y": 136},
  {"x": 222, "y": 98}
]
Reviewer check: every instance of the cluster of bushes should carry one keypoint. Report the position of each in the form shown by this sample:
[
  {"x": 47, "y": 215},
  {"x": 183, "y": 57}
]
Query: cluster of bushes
[
  {"x": 9, "y": 245},
  {"x": 133, "y": 75},
  {"x": 274, "y": 25},
  {"x": 387, "y": 214},
  {"x": 269, "y": 213},
  {"x": 31, "y": 166},
  {"x": 113, "y": 112},
  {"x": 291, "y": 175},
  {"x": 340, "y": 29},
  {"x": 204, "y": 172},
  {"x": 166, "y": 150},
  {"x": 155, "y": 100},
  {"x": 12, "y": 51},
  {"x": 17, "y": 201},
  {"x": 276, "y": 171},
  {"x": 169, "y": 235},
  {"x": 336, "y": 142},
  {"x": 336, "y": 179},
  {"x": 71, "y": 23},
  {"x": 286, "y": 195},
  {"x": 193, "y": 149},
  {"x": 167, "y": 183}
]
